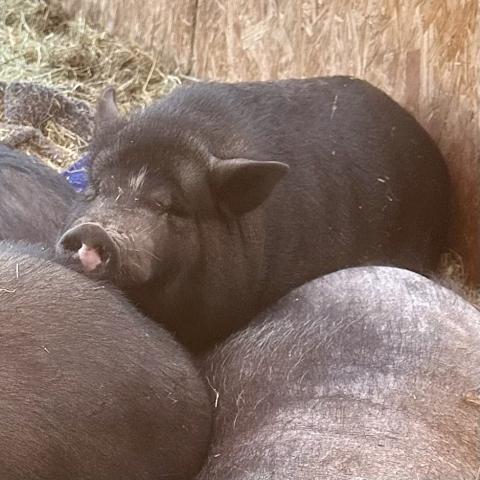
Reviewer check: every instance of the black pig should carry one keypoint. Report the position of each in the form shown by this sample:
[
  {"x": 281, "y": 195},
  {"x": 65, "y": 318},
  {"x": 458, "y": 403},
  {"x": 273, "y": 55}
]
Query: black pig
[
  {"x": 34, "y": 199},
  {"x": 89, "y": 388},
  {"x": 367, "y": 373},
  {"x": 189, "y": 212}
]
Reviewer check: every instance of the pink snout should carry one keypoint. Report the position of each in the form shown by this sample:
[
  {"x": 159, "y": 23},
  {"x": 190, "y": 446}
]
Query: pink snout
[{"x": 93, "y": 246}]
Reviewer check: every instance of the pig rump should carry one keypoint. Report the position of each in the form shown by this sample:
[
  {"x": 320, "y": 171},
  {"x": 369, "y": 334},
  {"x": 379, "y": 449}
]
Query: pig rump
[
  {"x": 365, "y": 373},
  {"x": 89, "y": 388}
]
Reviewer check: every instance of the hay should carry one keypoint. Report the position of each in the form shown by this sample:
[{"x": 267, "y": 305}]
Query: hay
[
  {"x": 42, "y": 43},
  {"x": 165, "y": 26}
]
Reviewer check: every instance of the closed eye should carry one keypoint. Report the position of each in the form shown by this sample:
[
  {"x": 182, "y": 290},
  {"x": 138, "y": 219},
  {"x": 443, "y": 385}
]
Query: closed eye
[
  {"x": 155, "y": 203},
  {"x": 163, "y": 202},
  {"x": 156, "y": 199},
  {"x": 161, "y": 206},
  {"x": 168, "y": 208}
]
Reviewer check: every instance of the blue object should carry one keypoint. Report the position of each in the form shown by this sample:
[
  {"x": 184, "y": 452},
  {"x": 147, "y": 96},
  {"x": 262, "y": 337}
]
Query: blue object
[{"x": 77, "y": 175}]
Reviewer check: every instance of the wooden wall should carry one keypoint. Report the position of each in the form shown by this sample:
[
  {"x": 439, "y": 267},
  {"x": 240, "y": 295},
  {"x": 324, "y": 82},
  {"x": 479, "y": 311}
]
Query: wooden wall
[{"x": 425, "y": 53}]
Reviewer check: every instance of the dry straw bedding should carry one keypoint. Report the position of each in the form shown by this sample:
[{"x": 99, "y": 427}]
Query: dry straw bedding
[{"x": 41, "y": 44}]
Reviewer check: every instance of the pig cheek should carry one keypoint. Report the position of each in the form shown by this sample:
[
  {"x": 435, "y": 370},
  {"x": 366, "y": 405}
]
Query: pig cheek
[{"x": 140, "y": 260}]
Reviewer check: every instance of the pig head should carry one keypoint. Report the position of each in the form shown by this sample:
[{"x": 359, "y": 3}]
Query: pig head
[{"x": 151, "y": 188}]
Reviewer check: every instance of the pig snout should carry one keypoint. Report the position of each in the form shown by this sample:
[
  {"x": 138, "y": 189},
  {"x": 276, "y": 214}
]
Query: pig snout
[{"x": 92, "y": 245}]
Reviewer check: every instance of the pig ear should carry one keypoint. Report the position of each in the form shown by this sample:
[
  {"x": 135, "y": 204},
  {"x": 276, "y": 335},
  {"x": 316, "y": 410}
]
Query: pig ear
[
  {"x": 107, "y": 110},
  {"x": 242, "y": 185}
]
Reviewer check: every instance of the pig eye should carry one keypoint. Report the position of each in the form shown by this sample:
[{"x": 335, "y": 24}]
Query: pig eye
[
  {"x": 167, "y": 208},
  {"x": 160, "y": 206},
  {"x": 157, "y": 201},
  {"x": 156, "y": 204},
  {"x": 163, "y": 203}
]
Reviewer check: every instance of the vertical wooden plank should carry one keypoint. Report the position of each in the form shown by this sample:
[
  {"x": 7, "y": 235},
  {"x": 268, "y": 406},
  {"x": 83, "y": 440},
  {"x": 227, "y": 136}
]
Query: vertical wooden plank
[{"x": 165, "y": 26}]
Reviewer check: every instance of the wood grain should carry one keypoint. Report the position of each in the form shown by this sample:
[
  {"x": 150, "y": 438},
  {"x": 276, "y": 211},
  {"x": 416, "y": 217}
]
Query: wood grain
[{"x": 166, "y": 26}]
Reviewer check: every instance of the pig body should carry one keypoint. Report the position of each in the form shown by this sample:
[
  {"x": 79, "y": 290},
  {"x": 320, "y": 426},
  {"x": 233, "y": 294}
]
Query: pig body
[
  {"x": 90, "y": 389},
  {"x": 231, "y": 195},
  {"x": 34, "y": 199},
  {"x": 370, "y": 373}
]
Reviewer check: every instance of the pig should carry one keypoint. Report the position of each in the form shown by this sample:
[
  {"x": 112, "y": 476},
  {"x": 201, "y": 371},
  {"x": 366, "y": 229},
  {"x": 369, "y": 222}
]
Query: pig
[
  {"x": 215, "y": 201},
  {"x": 35, "y": 199},
  {"x": 90, "y": 389},
  {"x": 368, "y": 373}
]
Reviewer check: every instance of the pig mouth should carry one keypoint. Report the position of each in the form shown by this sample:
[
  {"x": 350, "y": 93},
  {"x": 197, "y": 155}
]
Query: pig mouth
[{"x": 93, "y": 258}]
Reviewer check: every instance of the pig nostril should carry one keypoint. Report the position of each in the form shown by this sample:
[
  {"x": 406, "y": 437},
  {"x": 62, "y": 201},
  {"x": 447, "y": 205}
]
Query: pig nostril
[
  {"x": 71, "y": 244},
  {"x": 103, "y": 253}
]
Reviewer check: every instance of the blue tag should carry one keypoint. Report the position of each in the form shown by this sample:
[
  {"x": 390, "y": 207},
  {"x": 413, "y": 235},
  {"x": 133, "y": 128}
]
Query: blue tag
[{"x": 77, "y": 175}]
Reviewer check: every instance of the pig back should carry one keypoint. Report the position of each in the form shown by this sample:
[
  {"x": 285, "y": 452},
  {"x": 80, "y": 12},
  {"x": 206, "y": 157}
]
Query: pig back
[
  {"x": 90, "y": 389},
  {"x": 365, "y": 373},
  {"x": 366, "y": 185}
]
